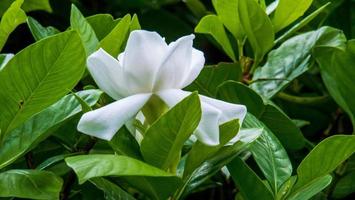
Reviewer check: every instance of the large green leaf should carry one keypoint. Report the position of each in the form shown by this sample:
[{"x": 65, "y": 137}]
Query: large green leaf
[
  {"x": 114, "y": 42},
  {"x": 324, "y": 158},
  {"x": 97, "y": 165},
  {"x": 31, "y": 184},
  {"x": 213, "y": 26},
  {"x": 38, "y": 31},
  {"x": 38, "y": 76},
  {"x": 292, "y": 59},
  {"x": 36, "y": 129},
  {"x": 345, "y": 186},
  {"x": 212, "y": 76},
  {"x": 337, "y": 70},
  {"x": 249, "y": 184},
  {"x": 111, "y": 190},
  {"x": 87, "y": 34},
  {"x": 102, "y": 24},
  {"x": 288, "y": 11},
  {"x": 28, "y": 5},
  {"x": 163, "y": 141},
  {"x": 227, "y": 11},
  {"x": 312, "y": 188},
  {"x": 125, "y": 144},
  {"x": 272, "y": 116},
  {"x": 269, "y": 155},
  {"x": 13, "y": 17},
  {"x": 200, "y": 152},
  {"x": 257, "y": 27}
]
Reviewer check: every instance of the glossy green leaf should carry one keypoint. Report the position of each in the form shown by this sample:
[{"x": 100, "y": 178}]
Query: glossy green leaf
[
  {"x": 98, "y": 165},
  {"x": 125, "y": 144},
  {"x": 337, "y": 149},
  {"x": 227, "y": 11},
  {"x": 31, "y": 184},
  {"x": 201, "y": 152},
  {"x": 312, "y": 188},
  {"x": 38, "y": 31},
  {"x": 81, "y": 25},
  {"x": 113, "y": 43},
  {"x": 40, "y": 82},
  {"x": 102, "y": 24},
  {"x": 270, "y": 155},
  {"x": 212, "y": 25},
  {"x": 163, "y": 141},
  {"x": 111, "y": 190},
  {"x": 271, "y": 115},
  {"x": 288, "y": 11},
  {"x": 212, "y": 76},
  {"x": 258, "y": 28},
  {"x": 13, "y": 17},
  {"x": 32, "y": 5},
  {"x": 36, "y": 129},
  {"x": 292, "y": 59},
  {"x": 249, "y": 184},
  {"x": 337, "y": 70},
  {"x": 345, "y": 186}
]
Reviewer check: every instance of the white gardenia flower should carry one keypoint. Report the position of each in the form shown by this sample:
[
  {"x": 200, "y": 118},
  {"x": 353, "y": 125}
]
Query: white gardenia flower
[{"x": 150, "y": 66}]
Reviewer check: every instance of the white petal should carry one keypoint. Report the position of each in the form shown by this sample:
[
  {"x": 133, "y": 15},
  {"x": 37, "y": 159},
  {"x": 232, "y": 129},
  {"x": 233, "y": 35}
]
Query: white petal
[
  {"x": 176, "y": 64},
  {"x": 197, "y": 63},
  {"x": 106, "y": 121},
  {"x": 246, "y": 136},
  {"x": 208, "y": 129},
  {"x": 107, "y": 73},
  {"x": 6, "y": 59},
  {"x": 229, "y": 111},
  {"x": 141, "y": 60}
]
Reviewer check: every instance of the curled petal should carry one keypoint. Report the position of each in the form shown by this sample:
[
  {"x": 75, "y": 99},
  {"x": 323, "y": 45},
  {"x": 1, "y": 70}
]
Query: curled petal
[
  {"x": 197, "y": 63},
  {"x": 246, "y": 135},
  {"x": 141, "y": 60},
  {"x": 175, "y": 66},
  {"x": 106, "y": 121},
  {"x": 107, "y": 73},
  {"x": 6, "y": 59}
]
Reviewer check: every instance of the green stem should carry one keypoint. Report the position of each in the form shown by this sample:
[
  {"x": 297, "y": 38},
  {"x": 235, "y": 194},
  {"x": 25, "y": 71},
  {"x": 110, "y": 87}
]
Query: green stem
[{"x": 304, "y": 100}]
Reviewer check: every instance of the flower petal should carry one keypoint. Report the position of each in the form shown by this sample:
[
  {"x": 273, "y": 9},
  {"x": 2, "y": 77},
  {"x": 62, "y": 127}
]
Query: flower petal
[
  {"x": 197, "y": 63},
  {"x": 208, "y": 128},
  {"x": 106, "y": 121},
  {"x": 107, "y": 73},
  {"x": 246, "y": 135},
  {"x": 6, "y": 59},
  {"x": 229, "y": 111},
  {"x": 175, "y": 66},
  {"x": 141, "y": 59}
]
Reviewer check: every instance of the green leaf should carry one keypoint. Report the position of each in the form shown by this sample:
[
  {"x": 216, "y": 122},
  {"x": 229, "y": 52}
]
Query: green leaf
[
  {"x": 87, "y": 34},
  {"x": 212, "y": 25},
  {"x": 310, "y": 189},
  {"x": 345, "y": 186},
  {"x": 249, "y": 184},
  {"x": 13, "y": 17},
  {"x": 32, "y": 5},
  {"x": 91, "y": 166},
  {"x": 125, "y": 144},
  {"x": 227, "y": 11},
  {"x": 30, "y": 83},
  {"x": 111, "y": 190},
  {"x": 163, "y": 141},
  {"x": 31, "y": 184},
  {"x": 288, "y": 11},
  {"x": 270, "y": 155},
  {"x": 102, "y": 24},
  {"x": 292, "y": 59},
  {"x": 337, "y": 149},
  {"x": 272, "y": 116},
  {"x": 201, "y": 152},
  {"x": 36, "y": 129},
  {"x": 258, "y": 28},
  {"x": 113, "y": 43},
  {"x": 38, "y": 31},
  {"x": 337, "y": 70},
  {"x": 212, "y": 76}
]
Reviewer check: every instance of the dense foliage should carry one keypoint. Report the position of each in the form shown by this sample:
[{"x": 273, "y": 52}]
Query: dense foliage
[{"x": 291, "y": 63}]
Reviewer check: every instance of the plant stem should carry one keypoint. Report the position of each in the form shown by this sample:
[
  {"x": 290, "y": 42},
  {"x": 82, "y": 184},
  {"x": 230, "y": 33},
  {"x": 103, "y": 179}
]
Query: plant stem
[{"x": 304, "y": 100}]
